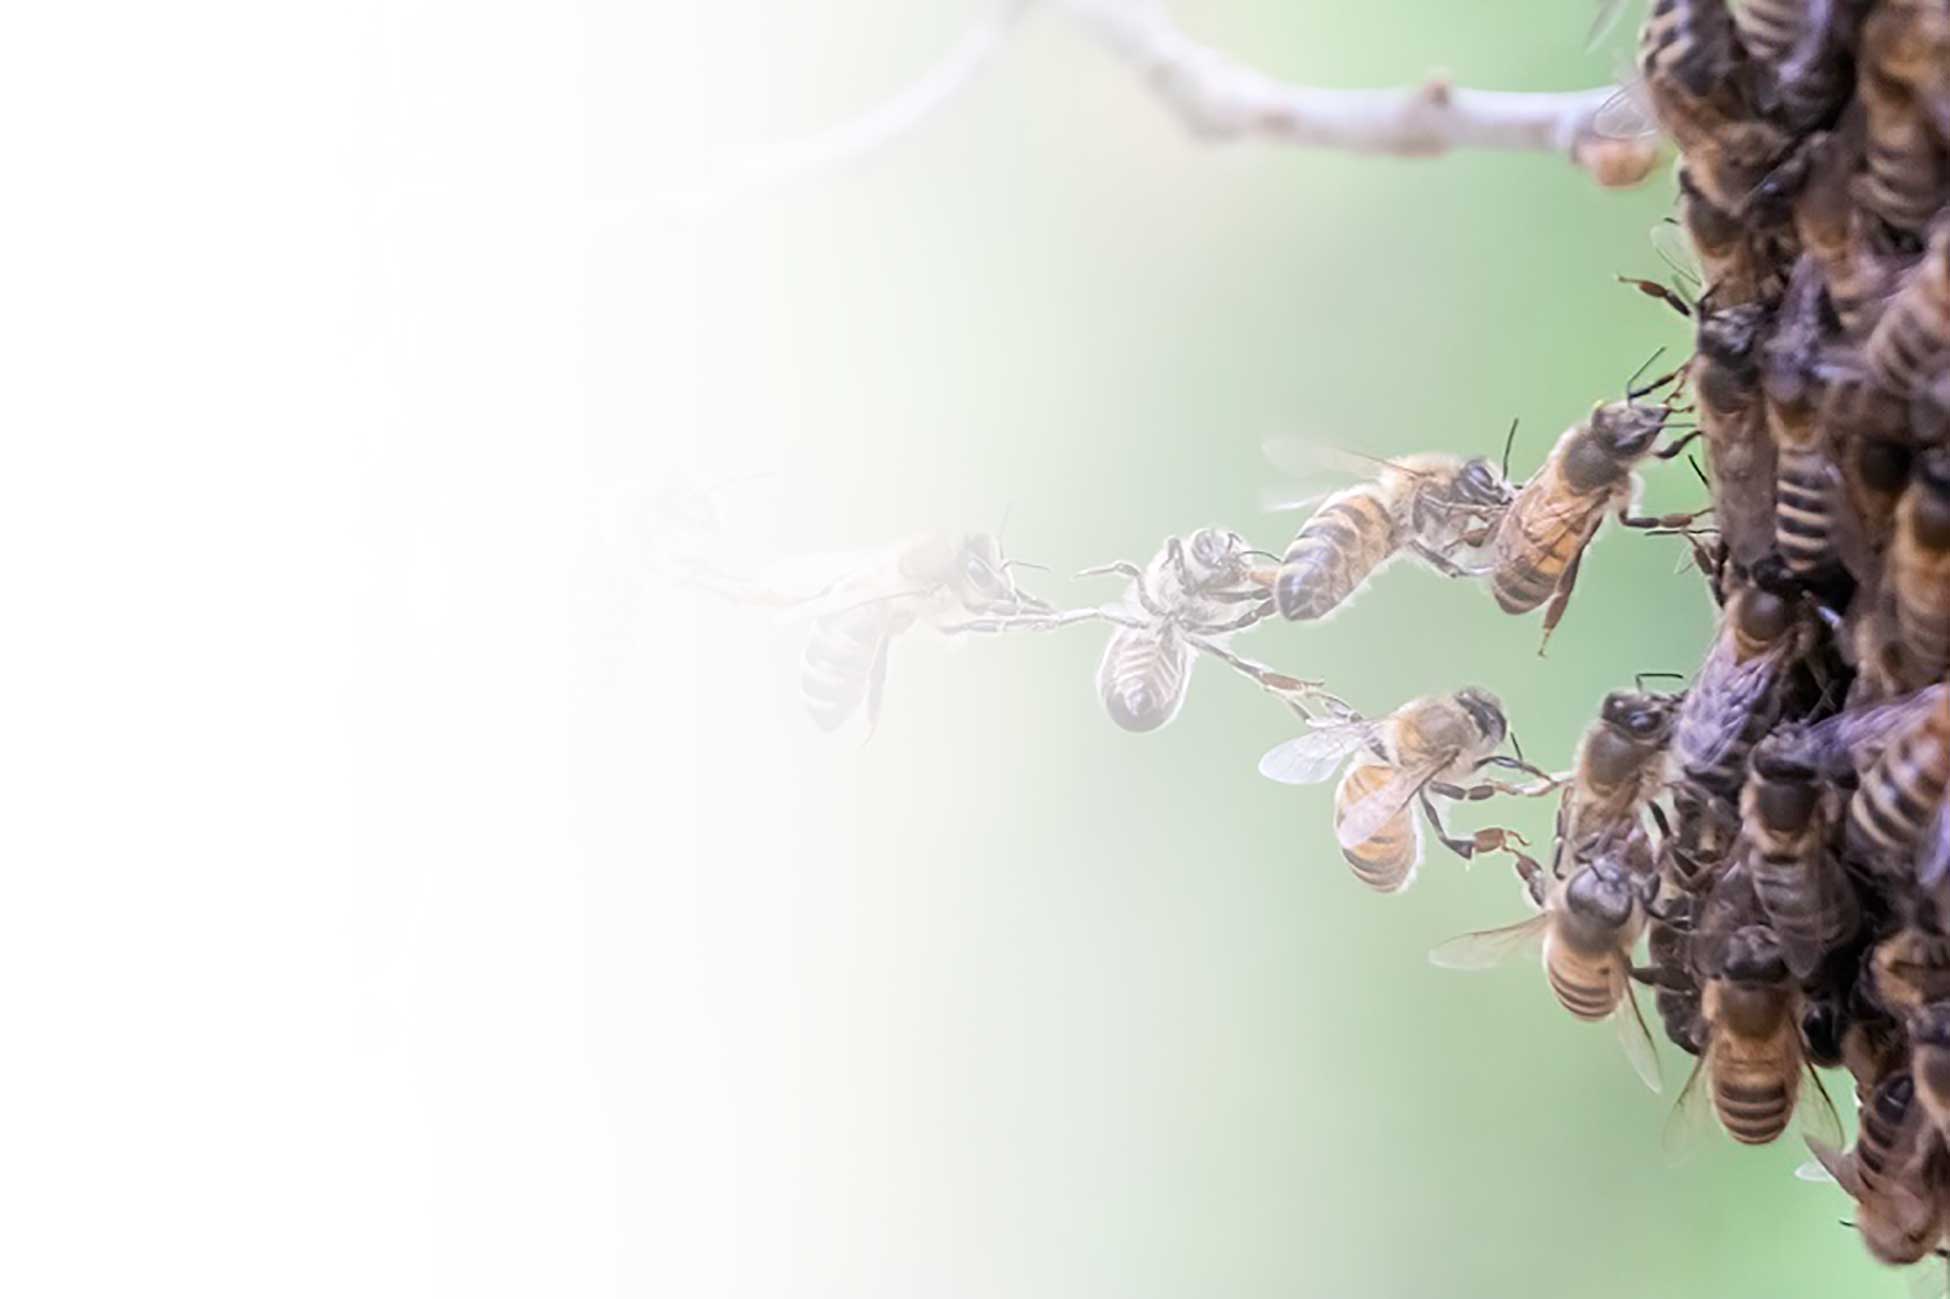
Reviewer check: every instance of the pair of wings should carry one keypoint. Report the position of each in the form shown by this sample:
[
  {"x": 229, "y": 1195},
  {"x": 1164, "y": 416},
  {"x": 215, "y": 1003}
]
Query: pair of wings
[
  {"x": 1487, "y": 948},
  {"x": 1692, "y": 1114},
  {"x": 1722, "y": 700},
  {"x": 1314, "y": 757}
]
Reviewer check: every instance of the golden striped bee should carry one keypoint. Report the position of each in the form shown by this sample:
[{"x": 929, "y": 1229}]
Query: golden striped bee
[
  {"x": 1701, "y": 85},
  {"x": 1896, "y": 818},
  {"x": 1434, "y": 506},
  {"x": 1618, "y": 770},
  {"x": 1808, "y": 486},
  {"x": 1918, "y": 571},
  {"x": 1785, "y": 814},
  {"x": 1588, "y": 923},
  {"x": 1753, "y": 1066},
  {"x": 1589, "y": 473},
  {"x": 1425, "y": 748},
  {"x": 1910, "y": 345},
  {"x": 1902, "y": 87},
  {"x": 1892, "y": 1172},
  {"x": 1835, "y": 232}
]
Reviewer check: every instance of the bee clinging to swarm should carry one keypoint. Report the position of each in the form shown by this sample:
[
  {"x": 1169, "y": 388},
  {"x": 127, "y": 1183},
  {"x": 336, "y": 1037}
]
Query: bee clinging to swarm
[
  {"x": 1701, "y": 85},
  {"x": 1918, "y": 571},
  {"x": 1891, "y": 1172},
  {"x": 1432, "y": 506},
  {"x": 1785, "y": 814},
  {"x": 1910, "y": 345},
  {"x": 1426, "y": 747},
  {"x": 1735, "y": 696},
  {"x": 1618, "y": 770},
  {"x": 1588, "y": 923}
]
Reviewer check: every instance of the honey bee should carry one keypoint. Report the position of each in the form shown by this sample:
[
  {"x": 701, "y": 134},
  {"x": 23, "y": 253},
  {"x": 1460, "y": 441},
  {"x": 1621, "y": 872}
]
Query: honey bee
[
  {"x": 1191, "y": 598},
  {"x": 1910, "y": 969},
  {"x": 1832, "y": 230},
  {"x": 1675, "y": 992},
  {"x": 1619, "y": 768},
  {"x": 1589, "y": 923},
  {"x": 1890, "y": 1172},
  {"x": 1929, "y": 1062},
  {"x": 1785, "y": 817},
  {"x": 1725, "y": 375},
  {"x": 1800, "y": 48},
  {"x": 1739, "y": 265},
  {"x": 1807, "y": 490},
  {"x": 1735, "y": 696},
  {"x": 1872, "y": 425},
  {"x": 1897, "y": 813},
  {"x": 1590, "y": 472},
  {"x": 1701, "y": 86},
  {"x": 1910, "y": 344},
  {"x": 856, "y": 618},
  {"x": 1423, "y": 748},
  {"x": 1918, "y": 570},
  {"x": 1432, "y": 505},
  {"x": 1753, "y": 1065},
  {"x": 1905, "y": 44}
]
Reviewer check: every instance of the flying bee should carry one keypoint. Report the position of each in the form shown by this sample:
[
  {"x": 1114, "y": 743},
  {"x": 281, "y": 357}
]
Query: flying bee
[
  {"x": 1898, "y": 812},
  {"x": 1910, "y": 344},
  {"x": 1700, "y": 84},
  {"x": 1191, "y": 598},
  {"x": 1901, "y": 86},
  {"x": 1753, "y": 1065},
  {"x": 1785, "y": 817},
  {"x": 1431, "y": 505},
  {"x": 1918, "y": 571},
  {"x": 1807, "y": 488},
  {"x": 1589, "y": 923},
  {"x": 1590, "y": 472},
  {"x": 1423, "y": 748},
  {"x": 1619, "y": 768},
  {"x": 1890, "y": 1172},
  {"x": 1735, "y": 696}
]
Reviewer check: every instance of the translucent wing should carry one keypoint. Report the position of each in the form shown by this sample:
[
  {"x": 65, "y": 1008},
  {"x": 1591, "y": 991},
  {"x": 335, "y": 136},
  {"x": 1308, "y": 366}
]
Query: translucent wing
[
  {"x": 1675, "y": 249},
  {"x": 1722, "y": 699},
  {"x": 1691, "y": 1115},
  {"x": 1627, "y": 115},
  {"x": 1633, "y": 1035},
  {"x": 1546, "y": 529},
  {"x": 1811, "y": 1170},
  {"x": 1491, "y": 947},
  {"x": 1306, "y": 459},
  {"x": 1311, "y": 758},
  {"x": 1851, "y": 740},
  {"x": 1602, "y": 22},
  {"x": 1816, "y": 1112},
  {"x": 1364, "y": 819}
]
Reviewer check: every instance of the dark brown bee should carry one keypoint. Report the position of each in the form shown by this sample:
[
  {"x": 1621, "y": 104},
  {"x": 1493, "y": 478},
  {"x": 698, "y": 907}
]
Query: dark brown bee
[
  {"x": 1904, "y": 47},
  {"x": 1753, "y": 1061},
  {"x": 1425, "y": 747},
  {"x": 1726, "y": 381},
  {"x": 1910, "y": 344},
  {"x": 1891, "y": 1172},
  {"x": 1872, "y": 427},
  {"x": 1807, "y": 488},
  {"x": 1700, "y": 83},
  {"x": 1734, "y": 698},
  {"x": 1739, "y": 265},
  {"x": 1929, "y": 1062},
  {"x": 1588, "y": 924},
  {"x": 1895, "y": 815},
  {"x": 1590, "y": 472},
  {"x": 1918, "y": 571},
  {"x": 1430, "y": 505},
  {"x": 1807, "y": 900},
  {"x": 1676, "y": 991},
  {"x": 1833, "y": 230}
]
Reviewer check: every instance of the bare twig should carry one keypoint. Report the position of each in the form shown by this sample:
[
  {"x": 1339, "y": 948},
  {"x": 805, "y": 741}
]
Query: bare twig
[{"x": 1220, "y": 98}]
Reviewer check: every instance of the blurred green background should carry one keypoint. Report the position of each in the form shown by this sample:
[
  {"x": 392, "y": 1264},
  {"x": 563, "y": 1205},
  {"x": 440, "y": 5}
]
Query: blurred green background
[{"x": 1009, "y": 1002}]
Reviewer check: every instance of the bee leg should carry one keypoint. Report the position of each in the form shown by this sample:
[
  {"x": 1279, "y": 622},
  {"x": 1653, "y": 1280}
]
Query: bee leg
[
  {"x": 1175, "y": 553},
  {"x": 1560, "y": 599},
  {"x": 1441, "y": 563},
  {"x": 1489, "y": 840},
  {"x": 1124, "y": 568},
  {"x": 1659, "y": 976},
  {"x": 1672, "y": 449},
  {"x": 1033, "y": 622},
  {"x": 1663, "y": 522},
  {"x": 1260, "y": 611},
  {"x": 1291, "y": 690},
  {"x": 1549, "y": 780}
]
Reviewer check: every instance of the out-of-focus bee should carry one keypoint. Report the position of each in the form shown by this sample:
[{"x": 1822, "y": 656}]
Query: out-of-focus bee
[
  {"x": 1832, "y": 230},
  {"x": 1431, "y": 505},
  {"x": 1897, "y": 815},
  {"x": 1905, "y": 51},
  {"x": 1918, "y": 571},
  {"x": 1192, "y": 597},
  {"x": 1619, "y": 769},
  {"x": 1807, "y": 491},
  {"x": 1910, "y": 968},
  {"x": 930, "y": 577},
  {"x": 1700, "y": 84},
  {"x": 1590, "y": 472},
  {"x": 1589, "y": 923},
  {"x": 1426, "y": 747},
  {"x": 1801, "y": 49},
  {"x": 1910, "y": 344},
  {"x": 1734, "y": 698},
  {"x": 1929, "y": 1062},
  {"x": 1891, "y": 1173},
  {"x": 1675, "y": 991},
  {"x": 1873, "y": 428},
  {"x": 1753, "y": 1064},
  {"x": 1738, "y": 264},
  {"x": 1808, "y": 901}
]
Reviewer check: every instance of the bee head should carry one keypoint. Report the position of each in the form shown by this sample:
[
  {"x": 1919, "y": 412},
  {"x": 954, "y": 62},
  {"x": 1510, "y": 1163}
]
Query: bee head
[
  {"x": 1625, "y": 430},
  {"x": 1639, "y": 713},
  {"x": 1785, "y": 792},
  {"x": 1480, "y": 482},
  {"x": 981, "y": 580},
  {"x": 1929, "y": 507},
  {"x": 1212, "y": 550},
  {"x": 1822, "y": 1024},
  {"x": 1486, "y": 711},
  {"x": 1602, "y": 892},
  {"x": 1728, "y": 335},
  {"x": 1765, "y": 615},
  {"x": 1753, "y": 955}
]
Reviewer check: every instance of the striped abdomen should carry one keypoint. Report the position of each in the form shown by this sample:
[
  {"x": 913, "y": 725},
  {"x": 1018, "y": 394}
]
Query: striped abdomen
[
  {"x": 1589, "y": 989},
  {"x": 1881, "y": 1148},
  {"x": 1910, "y": 343},
  {"x": 1754, "y": 1097},
  {"x": 1143, "y": 676},
  {"x": 1902, "y": 788},
  {"x": 1806, "y": 489},
  {"x": 1919, "y": 579},
  {"x": 1902, "y": 181},
  {"x": 1386, "y": 860},
  {"x": 1769, "y": 28},
  {"x": 1336, "y": 550},
  {"x": 1540, "y": 536},
  {"x": 844, "y": 661},
  {"x": 1807, "y": 910}
]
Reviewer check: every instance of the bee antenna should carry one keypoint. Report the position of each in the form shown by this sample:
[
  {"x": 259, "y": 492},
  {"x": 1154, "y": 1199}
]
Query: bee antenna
[
  {"x": 1023, "y": 563},
  {"x": 1640, "y": 373},
  {"x": 1264, "y": 554},
  {"x": 1510, "y": 440},
  {"x": 1516, "y": 745},
  {"x": 1701, "y": 473}
]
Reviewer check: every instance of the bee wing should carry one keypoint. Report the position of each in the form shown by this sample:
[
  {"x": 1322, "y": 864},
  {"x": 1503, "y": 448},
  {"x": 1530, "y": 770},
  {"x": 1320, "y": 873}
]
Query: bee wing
[
  {"x": 1545, "y": 529},
  {"x": 1362, "y": 821},
  {"x": 1490, "y": 947},
  {"x": 1722, "y": 699},
  {"x": 1311, "y": 758},
  {"x": 1633, "y": 1035},
  {"x": 1603, "y": 21},
  {"x": 1816, "y": 1112},
  {"x": 1691, "y": 1115},
  {"x": 1851, "y": 740},
  {"x": 1675, "y": 249},
  {"x": 1627, "y": 115},
  {"x": 1933, "y": 856}
]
